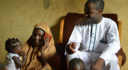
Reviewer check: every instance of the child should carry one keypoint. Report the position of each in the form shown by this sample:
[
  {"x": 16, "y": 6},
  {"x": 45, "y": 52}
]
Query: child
[
  {"x": 76, "y": 64},
  {"x": 13, "y": 61}
]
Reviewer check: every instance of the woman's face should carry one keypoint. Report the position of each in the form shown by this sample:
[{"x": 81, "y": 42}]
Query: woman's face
[{"x": 37, "y": 37}]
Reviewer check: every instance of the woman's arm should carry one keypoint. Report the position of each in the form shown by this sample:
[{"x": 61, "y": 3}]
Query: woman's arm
[
  {"x": 46, "y": 44},
  {"x": 43, "y": 59}
]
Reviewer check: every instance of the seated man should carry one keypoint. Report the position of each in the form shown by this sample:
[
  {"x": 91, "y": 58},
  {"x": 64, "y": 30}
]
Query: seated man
[{"x": 94, "y": 39}]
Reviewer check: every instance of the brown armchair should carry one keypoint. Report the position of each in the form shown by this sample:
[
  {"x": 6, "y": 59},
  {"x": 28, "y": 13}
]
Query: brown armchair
[{"x": 66, "y": 27}]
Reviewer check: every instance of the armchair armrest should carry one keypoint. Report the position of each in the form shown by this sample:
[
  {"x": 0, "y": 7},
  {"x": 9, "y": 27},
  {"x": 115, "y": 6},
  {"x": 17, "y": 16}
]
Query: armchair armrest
[
  {"x": 119, "y": 54},
  {"x": 120, "y": 58}
]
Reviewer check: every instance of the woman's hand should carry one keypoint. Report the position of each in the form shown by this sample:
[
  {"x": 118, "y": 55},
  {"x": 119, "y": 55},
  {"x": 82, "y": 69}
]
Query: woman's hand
[
  {"x": 24, "y": 55},
  {"x": 46, "y": 43}
]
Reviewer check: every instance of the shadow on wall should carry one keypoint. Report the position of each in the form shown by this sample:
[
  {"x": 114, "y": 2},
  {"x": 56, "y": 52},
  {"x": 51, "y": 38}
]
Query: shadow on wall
[
  {"x": 55, "y": 30},
  {"x": 46, "y": 4}
]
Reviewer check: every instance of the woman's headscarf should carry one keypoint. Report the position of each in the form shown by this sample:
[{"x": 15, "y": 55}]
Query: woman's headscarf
[{"x": 34, "y": 55}]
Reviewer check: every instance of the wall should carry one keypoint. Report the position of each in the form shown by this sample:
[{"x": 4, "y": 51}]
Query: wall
[{"x": 17, "y": 18}]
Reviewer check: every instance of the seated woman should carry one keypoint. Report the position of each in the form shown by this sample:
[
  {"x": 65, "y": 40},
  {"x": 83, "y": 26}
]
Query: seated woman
[{"x": 40, "y": 50}]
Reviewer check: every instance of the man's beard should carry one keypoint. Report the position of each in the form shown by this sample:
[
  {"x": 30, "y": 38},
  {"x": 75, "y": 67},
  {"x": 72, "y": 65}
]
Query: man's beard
[{"x": 88, "y": 20}]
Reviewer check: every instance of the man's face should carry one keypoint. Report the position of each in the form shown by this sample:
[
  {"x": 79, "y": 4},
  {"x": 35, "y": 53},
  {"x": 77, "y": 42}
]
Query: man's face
[
  {"x": 91, "y": 13},
  {"x": 37, "y": 37}
]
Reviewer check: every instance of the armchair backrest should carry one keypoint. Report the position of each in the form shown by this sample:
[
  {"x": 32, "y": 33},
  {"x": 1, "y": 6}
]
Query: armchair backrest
[{"x": 70, "y": 20}]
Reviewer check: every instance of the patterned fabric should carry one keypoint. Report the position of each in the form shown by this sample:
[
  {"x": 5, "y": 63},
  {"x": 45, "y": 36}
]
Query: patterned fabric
[{"x": 34, "y": 55}]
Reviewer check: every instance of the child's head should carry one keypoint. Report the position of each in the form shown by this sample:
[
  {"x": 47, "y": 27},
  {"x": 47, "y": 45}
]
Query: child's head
[
  {"x": 76, "y": 64},
  {"x": 13, "y": 46}
]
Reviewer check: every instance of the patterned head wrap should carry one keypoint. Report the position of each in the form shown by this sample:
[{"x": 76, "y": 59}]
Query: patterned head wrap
[{"x": 42, "y": 26}]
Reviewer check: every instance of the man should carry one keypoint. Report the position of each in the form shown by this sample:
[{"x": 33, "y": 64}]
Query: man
[{"x": 94, "y": 39}]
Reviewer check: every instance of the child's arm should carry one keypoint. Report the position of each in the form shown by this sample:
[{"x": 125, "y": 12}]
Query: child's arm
[{"x": 18, "y": 61}]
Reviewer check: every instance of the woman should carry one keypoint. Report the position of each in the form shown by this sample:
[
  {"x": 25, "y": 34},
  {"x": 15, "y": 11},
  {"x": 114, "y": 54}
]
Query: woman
[{"x": 40, "y": 50}]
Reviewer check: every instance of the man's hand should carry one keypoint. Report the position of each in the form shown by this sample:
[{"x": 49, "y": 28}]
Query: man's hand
[
  {"x": 98, "y": 64},
  {"x": 70, "y": 48}
]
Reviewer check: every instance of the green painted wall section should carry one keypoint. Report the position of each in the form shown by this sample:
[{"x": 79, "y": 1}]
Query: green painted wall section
[{"x": 18, "y": 17}]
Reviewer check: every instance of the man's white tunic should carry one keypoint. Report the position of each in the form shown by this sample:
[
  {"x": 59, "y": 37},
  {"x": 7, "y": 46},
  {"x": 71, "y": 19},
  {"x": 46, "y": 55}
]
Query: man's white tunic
[{"x": 97, "y": 41}]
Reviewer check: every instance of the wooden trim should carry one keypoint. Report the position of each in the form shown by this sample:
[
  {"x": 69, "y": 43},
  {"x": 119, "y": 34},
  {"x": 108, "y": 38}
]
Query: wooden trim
[
  {"x": 120, "y": 29},
  {"x": 120, "y": 58},
  {"x": 61, "y": 31}
]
